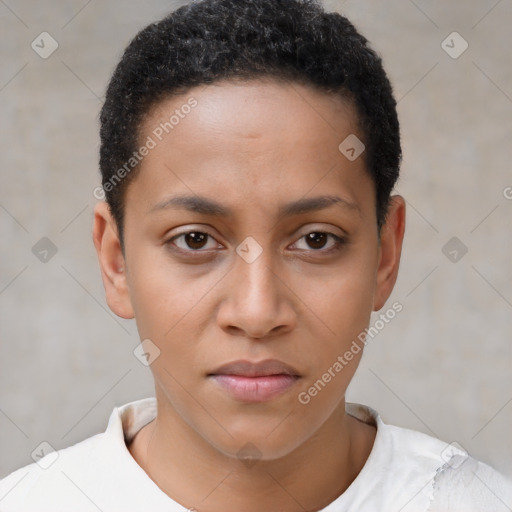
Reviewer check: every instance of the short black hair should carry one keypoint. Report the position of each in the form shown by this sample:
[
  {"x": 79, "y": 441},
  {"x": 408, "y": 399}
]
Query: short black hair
[{"x": 211, "y": 40}]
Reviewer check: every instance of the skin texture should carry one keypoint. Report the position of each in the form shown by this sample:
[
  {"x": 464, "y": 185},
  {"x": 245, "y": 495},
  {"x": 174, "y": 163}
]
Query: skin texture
[{"x": 252, "y": 146}]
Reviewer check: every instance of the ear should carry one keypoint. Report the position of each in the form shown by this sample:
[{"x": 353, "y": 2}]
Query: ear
[
  {"x": 392, "y": 234},
  {"x": 112, "y": 262}
]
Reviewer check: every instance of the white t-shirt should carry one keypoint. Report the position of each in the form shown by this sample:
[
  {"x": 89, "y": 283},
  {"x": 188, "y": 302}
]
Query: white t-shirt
[{"x": 406, "y": 471}]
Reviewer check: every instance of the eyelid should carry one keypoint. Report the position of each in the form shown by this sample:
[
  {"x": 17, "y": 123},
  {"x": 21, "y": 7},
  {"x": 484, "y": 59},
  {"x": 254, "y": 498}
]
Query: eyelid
[
  {"x": 190, "y": 228},
  {"x": 322, "y": 228}
]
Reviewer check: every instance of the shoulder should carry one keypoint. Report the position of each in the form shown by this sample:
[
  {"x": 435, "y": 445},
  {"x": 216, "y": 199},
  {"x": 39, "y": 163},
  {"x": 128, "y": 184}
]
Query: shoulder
[
  {"x": 32, "y": 484},
  {"x": 413, "y": 471},
  {"x": 453, "y": 480},
  {"x": 459, "y": 482},
  {"x": 93, "y": 474},
  {"x": 464, "y": 483},
  {"x": 407, "y": 451}
]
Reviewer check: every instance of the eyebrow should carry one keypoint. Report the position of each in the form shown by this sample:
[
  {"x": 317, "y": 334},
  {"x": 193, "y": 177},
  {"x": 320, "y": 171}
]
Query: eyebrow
[{"x": 205, "y": 206}]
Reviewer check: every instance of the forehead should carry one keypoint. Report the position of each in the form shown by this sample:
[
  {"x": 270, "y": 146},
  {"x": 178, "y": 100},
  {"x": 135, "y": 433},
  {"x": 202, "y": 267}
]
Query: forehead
[
  {"x": 250, "y": 107},
  {"x": 259, "y": 138}
]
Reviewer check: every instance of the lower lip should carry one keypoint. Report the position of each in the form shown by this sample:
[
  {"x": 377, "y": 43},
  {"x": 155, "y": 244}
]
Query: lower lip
[{"x": 255, "y": 389}]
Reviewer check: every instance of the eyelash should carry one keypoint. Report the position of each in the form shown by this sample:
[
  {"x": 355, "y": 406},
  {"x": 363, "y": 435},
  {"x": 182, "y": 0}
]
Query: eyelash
[{"x": 339, "y": 242}]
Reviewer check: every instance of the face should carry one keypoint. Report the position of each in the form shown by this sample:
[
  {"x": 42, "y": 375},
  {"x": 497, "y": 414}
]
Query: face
[{"x": 252, "y": 261}]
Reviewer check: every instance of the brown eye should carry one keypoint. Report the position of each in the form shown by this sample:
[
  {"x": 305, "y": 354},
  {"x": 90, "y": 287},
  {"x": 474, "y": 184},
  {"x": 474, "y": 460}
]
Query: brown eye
[
  {"x": 196, "y": 240},
  {"x": 316, "y": 240},
  {"x": 193, "y": 241}
]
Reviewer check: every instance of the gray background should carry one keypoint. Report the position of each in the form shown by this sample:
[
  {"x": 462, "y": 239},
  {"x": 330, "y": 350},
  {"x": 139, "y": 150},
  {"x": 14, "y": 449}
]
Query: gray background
[{"x": 442, "y": 366}]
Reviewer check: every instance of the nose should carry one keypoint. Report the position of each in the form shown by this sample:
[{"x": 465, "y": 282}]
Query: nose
[{"x": 259, "y": 302}]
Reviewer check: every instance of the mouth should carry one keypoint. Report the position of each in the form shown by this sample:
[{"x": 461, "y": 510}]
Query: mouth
[{"x": 246, "y": 381}]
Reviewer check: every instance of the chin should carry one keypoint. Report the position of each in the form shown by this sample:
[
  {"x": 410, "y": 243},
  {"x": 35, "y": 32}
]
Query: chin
[{"x": 260, "y": 441}]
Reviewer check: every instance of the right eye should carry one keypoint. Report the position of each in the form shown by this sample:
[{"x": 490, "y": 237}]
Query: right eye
[{"x": 192, "y": 241}]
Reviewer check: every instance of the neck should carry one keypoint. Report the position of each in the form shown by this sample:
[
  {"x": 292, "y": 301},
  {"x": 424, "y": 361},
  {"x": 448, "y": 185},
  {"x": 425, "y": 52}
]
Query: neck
[{"x": 197, "y": 475}]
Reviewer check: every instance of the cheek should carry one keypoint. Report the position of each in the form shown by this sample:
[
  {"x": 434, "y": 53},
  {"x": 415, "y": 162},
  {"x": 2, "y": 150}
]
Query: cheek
[
  {"x": 164, "y": 294},
  {"x": 344, "y": 309},
  {"x": 341, "y": 309},
  {"x": 344, "y": 299}
]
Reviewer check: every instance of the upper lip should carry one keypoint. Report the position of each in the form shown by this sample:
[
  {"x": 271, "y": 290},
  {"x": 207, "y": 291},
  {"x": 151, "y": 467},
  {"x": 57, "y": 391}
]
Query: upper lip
[{"x": 256, "y": 369}]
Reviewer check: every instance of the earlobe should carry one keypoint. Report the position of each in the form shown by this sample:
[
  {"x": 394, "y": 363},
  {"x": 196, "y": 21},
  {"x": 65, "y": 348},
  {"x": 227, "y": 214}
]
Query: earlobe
[
  {"x": 392, "y": 234},
  {"x": 111, "y": 260}
]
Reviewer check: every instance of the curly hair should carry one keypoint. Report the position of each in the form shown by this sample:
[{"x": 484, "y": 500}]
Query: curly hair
[{"x": 211, "y": 40}]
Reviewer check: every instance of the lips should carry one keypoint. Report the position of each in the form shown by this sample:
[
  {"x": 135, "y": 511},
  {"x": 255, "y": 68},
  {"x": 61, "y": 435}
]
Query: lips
[
  {"x": 246, "y": 381},
  {"x": 259, "y": 369}
]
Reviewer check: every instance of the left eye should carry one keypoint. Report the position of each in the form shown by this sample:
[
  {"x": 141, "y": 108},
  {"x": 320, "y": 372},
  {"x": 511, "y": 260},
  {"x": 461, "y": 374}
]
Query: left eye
[{"x": 318, "y": 239}]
